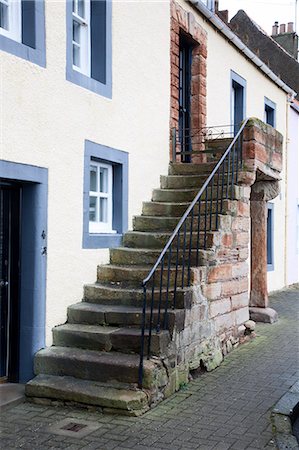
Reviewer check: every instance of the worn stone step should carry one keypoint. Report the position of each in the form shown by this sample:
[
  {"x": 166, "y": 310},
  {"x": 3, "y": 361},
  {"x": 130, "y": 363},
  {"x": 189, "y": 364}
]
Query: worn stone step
[
  {"x": 108, "y": 338},
  {"x": 189, "y": 181},
  {"x": 143, "y": 256},
  {"x": 220, "y": 144},
  {"x": 95, "y": 314},
  {"x": 174, "y": 209},
  {"x": 190, "y": 169},
  {"x": 116, "y": 294},
  {"x": 108, "y": 367},
  {"x": 160, "y": 223},
  {"x": 139, "y": 239},
  {"x": 135, "y": 274},
  {"x": 176, "y": 195},
  {"x": 127, "y": 401}
]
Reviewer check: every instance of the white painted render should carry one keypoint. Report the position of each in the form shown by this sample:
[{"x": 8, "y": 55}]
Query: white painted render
[
  {"x": 46, "y": 119},
  {"x": 293, "y": 200}
]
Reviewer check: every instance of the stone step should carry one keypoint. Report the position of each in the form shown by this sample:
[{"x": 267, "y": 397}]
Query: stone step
[
  {"x": 190, "y": 169},
  {"x": 70, "y": 389},
  {"x": 118, "y": 315},
  {"x": 220, "y": 144},
  {"x": 160, "y": 223},
  {"x": 188, "y": 181},
  {"x": 139, "y": 239},
  {"x": 107, "y": 367},
  {"x": 133, "y": 275},
  {"x": 107, "y": 338},
  {"x": 180, "y": 195},
  {"x": 116, "y": 294},
  {"x": 177, "y": 209},
  {"x": 144, "y": 256}
]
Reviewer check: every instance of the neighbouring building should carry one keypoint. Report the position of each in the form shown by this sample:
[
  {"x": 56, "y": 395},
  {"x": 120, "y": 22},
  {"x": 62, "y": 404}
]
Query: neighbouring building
[
  {"x": 280, "y": 52},
  {"x": 100, "y": 98}
]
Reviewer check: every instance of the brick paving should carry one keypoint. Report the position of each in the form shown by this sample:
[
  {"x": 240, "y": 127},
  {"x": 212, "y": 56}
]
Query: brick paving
[{"x": 228, "y": 408}]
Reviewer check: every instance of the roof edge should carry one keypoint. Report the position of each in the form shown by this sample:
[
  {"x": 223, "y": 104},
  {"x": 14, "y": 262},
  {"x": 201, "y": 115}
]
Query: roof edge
[{"x": 236, "y": 41}]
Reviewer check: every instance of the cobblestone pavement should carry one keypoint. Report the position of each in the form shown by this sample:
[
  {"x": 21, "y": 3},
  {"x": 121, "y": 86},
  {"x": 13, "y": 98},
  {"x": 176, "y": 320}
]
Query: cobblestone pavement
[{"x": 228, "y": 408}]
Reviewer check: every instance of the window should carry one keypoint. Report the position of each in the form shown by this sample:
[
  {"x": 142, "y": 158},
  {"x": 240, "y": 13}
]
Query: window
[
  {"x": 270, "y": 237},
  {"x": 89, "y": 45},
  {"x": 100, "y": 198},
  {"x": 10, "y": 19},
  {"x": 22, "y": 29},
  {"x": 81, "y": 36},
  {"x": 270, "y": 112},
  {"x": 105, "y": 197}
]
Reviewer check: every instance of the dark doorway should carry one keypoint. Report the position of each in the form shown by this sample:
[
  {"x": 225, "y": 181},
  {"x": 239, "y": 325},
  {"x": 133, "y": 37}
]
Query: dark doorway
[
  {"x": 10, "y": 239},
  {"x": 238, "y": 102},
  {"x": 185, "y": 64}
]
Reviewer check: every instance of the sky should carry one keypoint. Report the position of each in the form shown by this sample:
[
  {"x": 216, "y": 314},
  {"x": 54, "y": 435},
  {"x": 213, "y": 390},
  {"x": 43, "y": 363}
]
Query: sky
[{"x": 264, "y": 12}]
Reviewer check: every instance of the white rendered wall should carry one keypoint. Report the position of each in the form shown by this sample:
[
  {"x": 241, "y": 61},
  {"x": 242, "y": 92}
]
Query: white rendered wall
[
  {"x": 46, "y": 119},
  {"x": 293, "y": 200}
]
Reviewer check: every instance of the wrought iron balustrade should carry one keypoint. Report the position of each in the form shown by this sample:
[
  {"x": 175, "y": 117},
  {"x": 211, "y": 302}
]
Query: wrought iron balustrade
[
  {"x": 190, "y": 141},
  {"x": 172, "y": 271}
]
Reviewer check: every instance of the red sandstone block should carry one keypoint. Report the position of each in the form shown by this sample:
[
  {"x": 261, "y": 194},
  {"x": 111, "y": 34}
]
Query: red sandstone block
[
  {"x": 243, "y": 209},
  {"x": 219, "y": 273},
  {"x": 241, "y": 316},
  {"x": 212, "y": 291},
  {"x": 240, "y": 224},
  {"x": 240, "y": 300},
  {"x": 241, "y": 239},
  {"x": 224, "y": 322},
  {"x": 227, "y": 240},
  {"x": 204, "y": 50},
  {"x": 234, "y": 287},
  {"x": 240, "y": 270},
  {"x": 220, "y": 307},
  {"x": 243, "y": 253},
  {"x": 276, "y": 162},
  {"x": 261, "y": 153}
]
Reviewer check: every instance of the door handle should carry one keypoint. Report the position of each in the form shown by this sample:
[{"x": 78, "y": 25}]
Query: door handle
[{"x": 3, "y": 283}]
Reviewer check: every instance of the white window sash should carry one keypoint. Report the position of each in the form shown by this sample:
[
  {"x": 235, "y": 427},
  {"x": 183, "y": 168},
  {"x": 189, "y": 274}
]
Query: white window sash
[
  {"x": 14, "y": 20},
  {"x": 97, "y": 226},
  {"x": 85, "y": 44}
]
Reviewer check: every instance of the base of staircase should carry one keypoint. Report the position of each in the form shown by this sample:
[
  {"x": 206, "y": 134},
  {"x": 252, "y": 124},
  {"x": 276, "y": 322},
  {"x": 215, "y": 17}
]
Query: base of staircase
[
  {"x": 265, "y": 315},
  {"x": 49, "y": 389}
]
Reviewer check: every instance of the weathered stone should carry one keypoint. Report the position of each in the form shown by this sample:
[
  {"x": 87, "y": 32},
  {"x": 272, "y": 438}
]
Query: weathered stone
[
  {"x": 266, "y": 315},
  {"x": 241, "y": 330},
  {"x": 250, "y": 325}
]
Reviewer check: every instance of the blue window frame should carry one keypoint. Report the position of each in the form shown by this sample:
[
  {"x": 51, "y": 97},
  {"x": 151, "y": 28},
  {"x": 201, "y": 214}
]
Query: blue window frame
[
  {"x": 118, "y": 161},
  {"x": 98, "y": 77},
  {"x": 32, "y": 42},
  {"x": 270, "y": 236},
  {"x": 270, "y": 112},
  {"x": 238, "y": 101}
]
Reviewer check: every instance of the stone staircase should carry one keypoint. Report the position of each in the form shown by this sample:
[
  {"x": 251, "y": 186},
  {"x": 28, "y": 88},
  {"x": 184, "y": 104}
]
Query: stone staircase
[{"x": 94, "y": 358}]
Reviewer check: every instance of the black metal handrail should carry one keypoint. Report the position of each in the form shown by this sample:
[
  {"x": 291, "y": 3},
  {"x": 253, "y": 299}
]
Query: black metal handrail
[{"x": 173, "y": 266}]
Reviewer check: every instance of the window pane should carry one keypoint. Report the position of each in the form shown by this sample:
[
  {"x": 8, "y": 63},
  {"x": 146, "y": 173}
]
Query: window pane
[
  {"x": 81, "y": 12},
  {"x": 93, "y": 178},
  {"x": 103, "y": 179},
  {"x": 76, "y": 32},
  {"x": 103, "y": 210},
  {"x": 3, "y": 16},
  {"x": 76, "y": 56},
  {"x": 74, "y": 5},
  {"x": 92, "y": 209}
]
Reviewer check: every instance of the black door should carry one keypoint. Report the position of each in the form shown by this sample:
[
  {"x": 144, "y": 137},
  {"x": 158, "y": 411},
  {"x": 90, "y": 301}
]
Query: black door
[
  {"x": 10, "y": 207},
  {"x": 185, "y": 62},
  {"x": 238, "y": 105}
]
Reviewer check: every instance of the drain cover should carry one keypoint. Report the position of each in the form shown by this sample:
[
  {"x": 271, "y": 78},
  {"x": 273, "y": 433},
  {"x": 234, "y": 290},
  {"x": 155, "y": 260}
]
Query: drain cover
[{"x": 72, "y": 428}]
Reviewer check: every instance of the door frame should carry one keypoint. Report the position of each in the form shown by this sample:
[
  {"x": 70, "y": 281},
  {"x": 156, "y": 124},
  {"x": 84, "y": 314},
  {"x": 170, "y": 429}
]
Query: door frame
[
  {"x": 34, "y": 182},
  {"x": 240, "y": 83}
]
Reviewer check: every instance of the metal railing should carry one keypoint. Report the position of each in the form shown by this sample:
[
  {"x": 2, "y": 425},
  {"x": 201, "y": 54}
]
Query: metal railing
[
  {"x": 172, "y": 271},
  {"x": 188, "y": 142}
]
